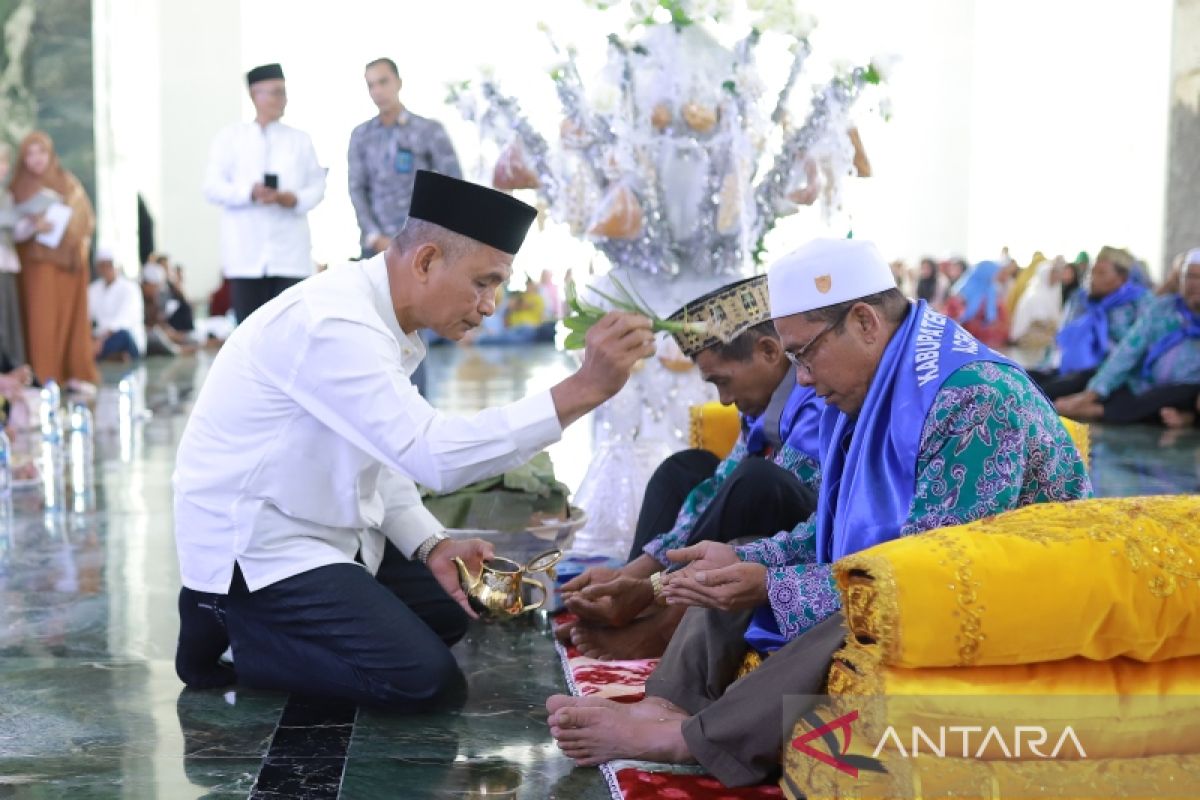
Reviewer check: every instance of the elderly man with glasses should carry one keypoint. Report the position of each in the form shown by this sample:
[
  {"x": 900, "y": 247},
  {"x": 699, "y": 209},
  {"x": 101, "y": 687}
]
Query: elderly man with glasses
[{"x": 924, "y": 427}]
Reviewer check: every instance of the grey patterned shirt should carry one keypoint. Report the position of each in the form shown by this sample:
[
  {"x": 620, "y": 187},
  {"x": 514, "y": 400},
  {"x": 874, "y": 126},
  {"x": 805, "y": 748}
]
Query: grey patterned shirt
[{"x": 383, "y": 164}]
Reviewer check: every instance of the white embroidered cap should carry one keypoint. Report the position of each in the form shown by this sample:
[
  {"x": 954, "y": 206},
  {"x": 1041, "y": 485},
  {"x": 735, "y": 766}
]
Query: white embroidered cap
[
  {"x": 1192, "y": 257},
  {"x": 826, "y": 272},
  {"x": 104, "y": 253}
]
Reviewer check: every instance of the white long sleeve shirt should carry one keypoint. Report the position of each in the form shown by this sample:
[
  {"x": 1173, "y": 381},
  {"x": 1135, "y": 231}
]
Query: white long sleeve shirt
[
  {"x": 118, "y": 307},
  {"x": 306, "y": 438},
  {"x": 257, "y": 240}
]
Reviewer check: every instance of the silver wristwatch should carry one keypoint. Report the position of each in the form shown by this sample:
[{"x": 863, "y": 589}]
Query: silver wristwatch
[{"x": 426, "y": 547}]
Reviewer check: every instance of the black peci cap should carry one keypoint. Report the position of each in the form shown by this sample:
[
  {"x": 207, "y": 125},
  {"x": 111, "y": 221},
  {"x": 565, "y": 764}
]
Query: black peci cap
[
  {"x": 267, "y": 72},
  {"x": 477, "y": 212}
]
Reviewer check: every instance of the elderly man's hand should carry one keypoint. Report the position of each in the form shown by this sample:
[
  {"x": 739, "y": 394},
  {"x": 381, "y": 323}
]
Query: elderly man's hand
[
  {"x": 614, "y": 344},
  {"x": 616, "y": 602},
  {"x": 703, "y": 556},
  {"x": 737, "y": 586},
  {"x": 473, "y": 552}
]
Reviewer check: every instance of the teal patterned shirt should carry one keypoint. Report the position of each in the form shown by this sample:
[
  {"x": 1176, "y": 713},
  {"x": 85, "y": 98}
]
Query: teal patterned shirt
[
  {"x": 990, "y": 443},
  {"x": 799, "y": 464},
  {"x": 1123, "y": 366}
]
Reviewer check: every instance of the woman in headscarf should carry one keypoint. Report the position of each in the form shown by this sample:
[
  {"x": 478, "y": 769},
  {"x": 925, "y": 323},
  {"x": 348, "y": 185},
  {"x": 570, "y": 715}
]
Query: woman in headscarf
[
  {"x": 1038, "y": 310},
  {"x": 931, "y": 284},
  {"x": 53, "y": 280},
  {"x": 1022, "y": 280},
  {"x": 977, "y": 304},
  {"x": 13, "y": 227}
]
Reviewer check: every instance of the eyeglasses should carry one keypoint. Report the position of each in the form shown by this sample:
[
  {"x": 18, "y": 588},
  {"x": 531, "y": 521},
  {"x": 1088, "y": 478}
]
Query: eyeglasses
[{"x": 802, "y": 358}]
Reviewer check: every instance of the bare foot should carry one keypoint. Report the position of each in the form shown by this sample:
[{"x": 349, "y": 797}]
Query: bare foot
[
  {"x": 645, "y": 637},
  {"x": 592, "y": 735},
  {"x": 655, "y": 708},
  {"x": 1175, "y": 419}
]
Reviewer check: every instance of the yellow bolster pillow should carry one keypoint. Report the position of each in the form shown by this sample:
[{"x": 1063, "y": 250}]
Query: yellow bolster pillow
[
  {"x": 1116, "y": 709},
  {"x": 1094, "y": 578}
]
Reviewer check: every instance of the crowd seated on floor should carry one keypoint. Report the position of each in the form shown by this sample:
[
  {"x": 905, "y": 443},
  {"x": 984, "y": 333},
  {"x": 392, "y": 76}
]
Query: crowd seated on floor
[{"x": 1099, "y": 336}]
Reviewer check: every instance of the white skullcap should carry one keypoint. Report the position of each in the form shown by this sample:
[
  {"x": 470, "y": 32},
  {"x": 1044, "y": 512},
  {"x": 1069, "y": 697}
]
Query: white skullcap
[
  {"x": 1192, "y": 257},
  {"x": 826, "y": 272},
  {"x": 104, "y": 253}
]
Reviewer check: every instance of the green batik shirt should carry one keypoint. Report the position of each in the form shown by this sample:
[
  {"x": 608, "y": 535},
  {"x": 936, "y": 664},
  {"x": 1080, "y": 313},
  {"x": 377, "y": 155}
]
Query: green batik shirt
[
  {"x": 1123, "y": 366},
  {"x": 991, "y": 442}
]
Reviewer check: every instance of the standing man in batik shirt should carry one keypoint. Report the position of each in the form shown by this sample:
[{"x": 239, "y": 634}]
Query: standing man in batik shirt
[
  {"x": 385, "y": 154},
  {"x": 924, "y": 428},
  {"x": 265, "y": 177}
]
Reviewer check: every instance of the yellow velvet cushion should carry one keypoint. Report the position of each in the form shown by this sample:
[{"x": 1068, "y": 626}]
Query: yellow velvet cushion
[
  {"x": 1173, "y": 776},
  {"x": 1080, "y": 435},
  {"x": 714, "y": 427},
  {"x": 1094, "y": 578},
  {"x": 1118, "y": 708}
]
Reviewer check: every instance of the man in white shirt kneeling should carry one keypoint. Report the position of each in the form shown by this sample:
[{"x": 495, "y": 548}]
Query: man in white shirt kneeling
[
  {"x": 302, "y": 540},
  {"x": 117, "y": 311}
]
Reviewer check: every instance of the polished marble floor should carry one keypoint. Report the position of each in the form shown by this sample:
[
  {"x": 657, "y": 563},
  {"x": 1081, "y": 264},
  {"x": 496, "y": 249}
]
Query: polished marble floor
[{"x": 89, "y": 703}]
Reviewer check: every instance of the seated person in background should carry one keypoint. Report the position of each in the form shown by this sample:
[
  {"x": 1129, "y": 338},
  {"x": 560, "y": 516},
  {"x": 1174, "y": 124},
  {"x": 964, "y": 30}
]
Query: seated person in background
[
  {"x": 1038, "y": 308},
  {"x": 1073, "y": 276},
  {"x": 117, "y": 312},
  {"x": 526, "y": 309},
  {"x": 924, "y": 428},
  {"x": 975, "y": 302},
  {"x": 1096, "y": 318},
  {"x": 931, "y": 283},
  {"x": 1154, "y": 372},
  {"x": 766, "y": 484},
  {"x": 180, "y": 318}
]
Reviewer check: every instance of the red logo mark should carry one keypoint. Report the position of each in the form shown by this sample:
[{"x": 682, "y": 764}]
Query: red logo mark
[{"x": 841, "y": 723}]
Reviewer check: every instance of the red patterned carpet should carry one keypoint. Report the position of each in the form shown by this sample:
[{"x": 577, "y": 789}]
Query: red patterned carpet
[{"x": 625, "y": 681}]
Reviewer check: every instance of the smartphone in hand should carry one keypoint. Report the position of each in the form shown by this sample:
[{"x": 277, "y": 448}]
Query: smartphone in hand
[{"x": 271, "y": 180}]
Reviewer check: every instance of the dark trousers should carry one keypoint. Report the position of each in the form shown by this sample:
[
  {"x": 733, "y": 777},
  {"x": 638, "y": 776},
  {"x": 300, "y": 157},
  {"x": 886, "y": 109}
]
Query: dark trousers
[
  {"x": 118, "y": 342},
  {"x": 247, "y": 294},
  {"x": 334, "y": 631},
  {"x": 759, "y": 498},
  {"x": 1124, "y": 407},
  {"x": 1056, "y": 386},
  {"x": 738, "y": 727}
]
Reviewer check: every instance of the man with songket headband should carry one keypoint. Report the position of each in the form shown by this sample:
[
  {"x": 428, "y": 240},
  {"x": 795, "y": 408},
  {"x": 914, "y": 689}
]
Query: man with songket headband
[
  {"x": 1095, "y": 319},
  {"x": 924, "y": 427},
  {"x": 1154, "y": 372},
  {"x": 303, "y": 544},
  {"x": 766, "y": 484}
]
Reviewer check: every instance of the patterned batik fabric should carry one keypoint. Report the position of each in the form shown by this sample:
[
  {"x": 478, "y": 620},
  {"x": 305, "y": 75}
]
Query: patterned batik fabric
[
  {"x": 794, "y": 461},
  {"x": 1123, "y": 367},
  {"x": 990, "y": 443}
]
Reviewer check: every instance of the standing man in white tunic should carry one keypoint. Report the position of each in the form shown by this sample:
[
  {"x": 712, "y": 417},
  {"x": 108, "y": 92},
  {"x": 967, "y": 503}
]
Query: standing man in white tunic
[
  {"x": 265, "y": 177},
  {"x": 302, "y": 539}
]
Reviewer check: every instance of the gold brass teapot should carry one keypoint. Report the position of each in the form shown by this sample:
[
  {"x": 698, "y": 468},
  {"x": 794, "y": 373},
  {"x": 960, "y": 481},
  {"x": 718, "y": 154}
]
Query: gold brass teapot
[{"x": 498, "y": 589}]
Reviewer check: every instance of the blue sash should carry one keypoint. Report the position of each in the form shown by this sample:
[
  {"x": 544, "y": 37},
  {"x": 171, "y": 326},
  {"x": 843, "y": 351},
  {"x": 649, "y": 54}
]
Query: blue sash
[
  {"x": 1189, "y": 330},
  {"x": 1084, "y": 340},
  {"x": 797, "y": 424},
  {"x": 869, "y": 464}
]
